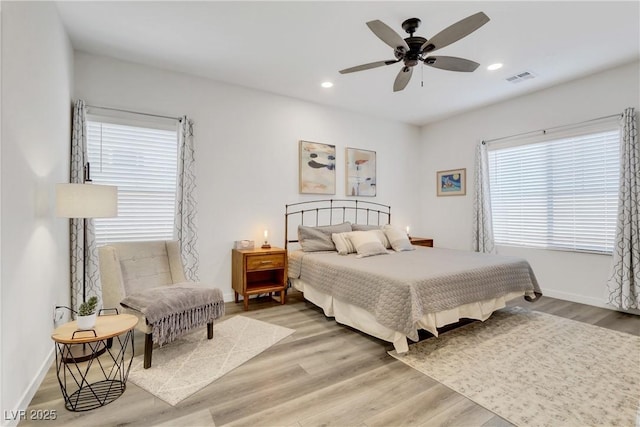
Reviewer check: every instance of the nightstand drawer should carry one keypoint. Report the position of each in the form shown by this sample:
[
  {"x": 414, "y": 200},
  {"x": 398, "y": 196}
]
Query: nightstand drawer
[{"x": 265, "y": 262}]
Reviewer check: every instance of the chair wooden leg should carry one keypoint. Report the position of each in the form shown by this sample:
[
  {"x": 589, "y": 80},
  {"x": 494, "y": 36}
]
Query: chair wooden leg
[
  {"x": 209, "y": 330},
  {"x": 148, "y": 348}
]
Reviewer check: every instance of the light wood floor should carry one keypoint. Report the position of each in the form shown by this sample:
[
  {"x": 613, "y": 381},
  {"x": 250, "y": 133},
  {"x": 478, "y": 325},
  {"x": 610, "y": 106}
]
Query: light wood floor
[{"x": 323, "y": 374}]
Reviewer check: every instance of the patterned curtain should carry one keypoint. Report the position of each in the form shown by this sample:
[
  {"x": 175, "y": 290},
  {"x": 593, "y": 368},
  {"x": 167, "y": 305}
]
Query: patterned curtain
[
  {"x": 624, "y": 283},
  {"x": 85, "y": 273},
  {"x": 482, "y": 220},
  {"x": 186, "y": 203}
]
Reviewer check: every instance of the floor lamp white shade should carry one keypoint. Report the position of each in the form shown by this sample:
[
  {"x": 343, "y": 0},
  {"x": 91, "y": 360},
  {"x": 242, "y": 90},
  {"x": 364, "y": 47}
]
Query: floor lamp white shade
[{"x": 86, "y": 201}]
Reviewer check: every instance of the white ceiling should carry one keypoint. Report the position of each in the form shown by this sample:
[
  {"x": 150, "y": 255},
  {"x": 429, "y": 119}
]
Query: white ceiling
[{"x": 289, "y": 48}]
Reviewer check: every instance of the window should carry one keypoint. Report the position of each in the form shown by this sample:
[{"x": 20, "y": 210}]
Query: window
[
  {"x": 142, "y": 162},
  {"x": 558, "y": 193}
]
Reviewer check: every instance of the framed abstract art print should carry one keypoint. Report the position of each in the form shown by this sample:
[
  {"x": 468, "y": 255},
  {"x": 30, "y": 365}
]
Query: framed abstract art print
[
  {"x": 360, "y": 173},
  {"x": 317, "y": 167}
]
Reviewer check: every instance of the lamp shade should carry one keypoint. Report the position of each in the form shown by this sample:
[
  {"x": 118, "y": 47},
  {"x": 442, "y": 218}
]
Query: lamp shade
[{"x": 86, "y": 201}]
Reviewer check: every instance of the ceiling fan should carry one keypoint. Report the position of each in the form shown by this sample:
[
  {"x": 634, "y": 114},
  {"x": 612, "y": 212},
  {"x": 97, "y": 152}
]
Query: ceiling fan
[{"x": 415, "y": 49}]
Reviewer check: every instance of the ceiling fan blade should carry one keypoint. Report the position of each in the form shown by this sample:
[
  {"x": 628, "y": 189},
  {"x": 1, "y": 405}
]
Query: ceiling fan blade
[
  {"x": 402, "y": 79},
  {"x": 387, "y": 35},
  {"x": 455, "y": 32},
  {"x": 451, "y": 63},
  {"x": 367, "y": 66}
]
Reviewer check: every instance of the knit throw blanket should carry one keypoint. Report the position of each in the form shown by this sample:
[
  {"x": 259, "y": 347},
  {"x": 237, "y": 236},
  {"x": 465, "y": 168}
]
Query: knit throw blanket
[{"x": 174, "y": 310}]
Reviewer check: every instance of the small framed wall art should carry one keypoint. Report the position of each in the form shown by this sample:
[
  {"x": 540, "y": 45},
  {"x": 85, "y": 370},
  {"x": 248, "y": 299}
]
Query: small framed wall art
[
  {"x": 452, "y": 182},
  {"x": 360, "y": 174},
  {"x": 317, "y": 166}
]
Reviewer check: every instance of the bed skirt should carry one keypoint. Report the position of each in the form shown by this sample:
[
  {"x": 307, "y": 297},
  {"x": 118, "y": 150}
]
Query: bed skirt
[{"x": 359, "y": 318}]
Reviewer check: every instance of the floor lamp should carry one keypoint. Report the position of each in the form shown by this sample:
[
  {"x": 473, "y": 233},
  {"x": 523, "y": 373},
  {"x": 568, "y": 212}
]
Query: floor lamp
[{"x": 84, "y": 201}]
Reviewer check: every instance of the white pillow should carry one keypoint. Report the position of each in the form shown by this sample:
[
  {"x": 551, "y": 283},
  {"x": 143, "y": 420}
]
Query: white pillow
[
  {"x": 381, "y": 236},
  {"x": 366, "y": 243},
  {"x": 343, "y": 243},
  {"x": 398, "y": 239}
]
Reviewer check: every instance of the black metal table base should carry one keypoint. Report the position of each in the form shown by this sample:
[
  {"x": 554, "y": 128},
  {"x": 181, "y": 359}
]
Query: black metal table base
[
  {"x": 87, "y": 398},
  {"x": 80, "y": 394}
]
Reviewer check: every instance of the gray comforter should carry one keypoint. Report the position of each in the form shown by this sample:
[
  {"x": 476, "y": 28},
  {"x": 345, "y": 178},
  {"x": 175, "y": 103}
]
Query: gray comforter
[{"x": 401, "y": 287}]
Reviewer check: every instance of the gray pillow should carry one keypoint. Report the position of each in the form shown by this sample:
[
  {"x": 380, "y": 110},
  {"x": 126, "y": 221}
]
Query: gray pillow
[
  {"x": 313, "y": 239},
  {"x": 365, "y": 227}
]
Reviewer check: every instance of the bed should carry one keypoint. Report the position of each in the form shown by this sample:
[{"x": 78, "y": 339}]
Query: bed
[{"x": 400, "y": 289}]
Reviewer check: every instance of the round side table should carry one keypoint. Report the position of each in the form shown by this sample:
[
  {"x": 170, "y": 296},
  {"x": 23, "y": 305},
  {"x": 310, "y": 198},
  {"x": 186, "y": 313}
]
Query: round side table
[{"x": 85, "y": 388}]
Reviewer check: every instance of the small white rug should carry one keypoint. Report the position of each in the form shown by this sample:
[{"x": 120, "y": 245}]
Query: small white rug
[
  {"x": 188, "y": 364},
  {"x": 536, "y": 369}
]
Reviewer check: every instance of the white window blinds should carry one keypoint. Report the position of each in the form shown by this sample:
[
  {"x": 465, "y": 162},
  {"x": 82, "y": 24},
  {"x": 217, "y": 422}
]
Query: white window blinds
[
  {"x": 142, "y": 162},
  {"x": 557, "y": 194}
]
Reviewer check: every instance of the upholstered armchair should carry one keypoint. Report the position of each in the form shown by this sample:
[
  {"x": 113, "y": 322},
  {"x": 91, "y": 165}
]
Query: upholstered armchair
[{"x": 147, "y": 279}]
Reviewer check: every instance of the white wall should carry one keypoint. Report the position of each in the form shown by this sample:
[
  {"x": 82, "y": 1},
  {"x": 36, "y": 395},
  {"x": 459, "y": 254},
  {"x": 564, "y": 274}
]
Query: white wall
[
  {"x": 247, "y": 150},
  {"x": 37, "y": 71},
  {"x": 449, "y": 144}
]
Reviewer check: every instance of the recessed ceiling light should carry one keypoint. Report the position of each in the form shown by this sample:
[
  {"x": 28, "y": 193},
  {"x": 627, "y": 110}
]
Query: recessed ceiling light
[
  {"x": 326, "y": 85},
  {"x": 494, "y": 67}
]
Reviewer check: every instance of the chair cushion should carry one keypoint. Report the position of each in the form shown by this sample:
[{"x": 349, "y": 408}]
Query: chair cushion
[{"x": 144, "y": 265}]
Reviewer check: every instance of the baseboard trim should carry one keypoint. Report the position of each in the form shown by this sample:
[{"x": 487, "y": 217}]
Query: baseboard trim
[
  {"x": 601, "y": 303},
  {"x": 23, "y": 404},
  {"x": 229, "y": 297}
]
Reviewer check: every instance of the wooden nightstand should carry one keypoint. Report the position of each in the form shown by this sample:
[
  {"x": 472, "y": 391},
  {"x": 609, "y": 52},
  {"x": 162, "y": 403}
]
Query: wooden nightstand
[
  {"x": 258, "y": 271},
  {"x": 421, "y": 241}
]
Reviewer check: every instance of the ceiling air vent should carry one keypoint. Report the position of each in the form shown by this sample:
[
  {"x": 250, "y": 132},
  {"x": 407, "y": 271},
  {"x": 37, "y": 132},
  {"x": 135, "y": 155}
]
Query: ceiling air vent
[{"x": 517, "y": 78}]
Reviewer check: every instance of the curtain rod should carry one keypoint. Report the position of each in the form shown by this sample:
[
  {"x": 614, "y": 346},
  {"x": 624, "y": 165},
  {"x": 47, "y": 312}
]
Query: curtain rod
[
  {"x": 135, "y": 112},
  {"x": 487, "y": 141}
]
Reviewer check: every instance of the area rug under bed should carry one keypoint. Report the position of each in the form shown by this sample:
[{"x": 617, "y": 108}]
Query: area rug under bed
[
  {"x": 183, "y": 367},
  {"x": 537, "y": 369}
]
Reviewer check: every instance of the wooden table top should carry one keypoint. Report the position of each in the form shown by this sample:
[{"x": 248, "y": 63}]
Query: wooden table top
[
  {"x": 259, "y": 250},
  {"x": 107, "y": 326}
]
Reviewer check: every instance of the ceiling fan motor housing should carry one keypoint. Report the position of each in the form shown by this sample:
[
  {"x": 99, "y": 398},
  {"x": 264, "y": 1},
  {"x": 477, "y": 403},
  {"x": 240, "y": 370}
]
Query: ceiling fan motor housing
[{"x": 414, "y": 55}]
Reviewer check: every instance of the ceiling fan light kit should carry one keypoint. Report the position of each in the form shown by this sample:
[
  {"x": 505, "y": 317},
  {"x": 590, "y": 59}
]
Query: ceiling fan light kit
[{"x": 415, "y": 49}]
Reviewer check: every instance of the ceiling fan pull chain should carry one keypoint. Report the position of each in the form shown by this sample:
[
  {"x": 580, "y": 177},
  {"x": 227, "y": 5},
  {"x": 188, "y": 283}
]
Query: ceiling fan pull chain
[{"x": 421, "y": 76}]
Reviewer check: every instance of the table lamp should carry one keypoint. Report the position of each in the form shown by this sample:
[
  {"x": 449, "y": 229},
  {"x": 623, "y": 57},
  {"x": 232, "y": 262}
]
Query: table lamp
[{"x": 266, "y": 244}]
